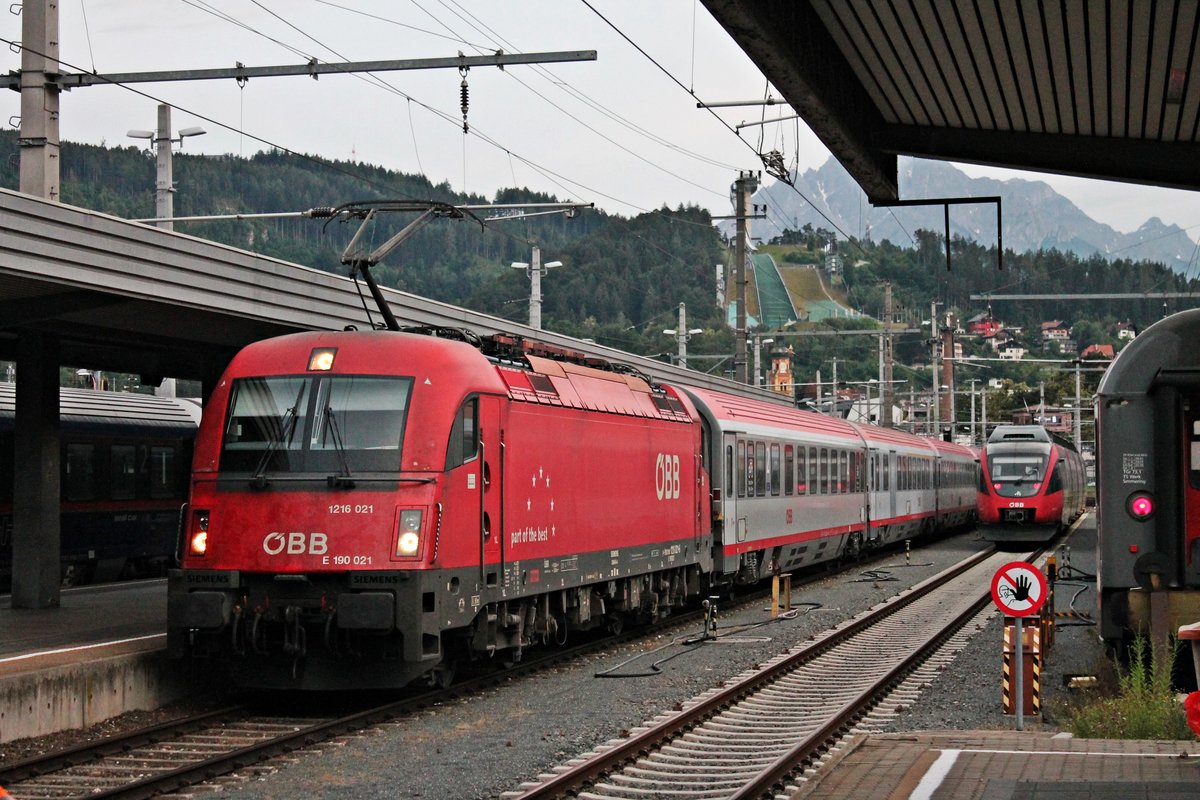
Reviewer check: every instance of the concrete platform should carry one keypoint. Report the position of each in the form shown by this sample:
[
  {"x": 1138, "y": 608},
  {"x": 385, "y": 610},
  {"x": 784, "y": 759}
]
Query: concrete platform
[
  {"x": 1008, "y": 765},
  {"x": 99, "y": 655}
]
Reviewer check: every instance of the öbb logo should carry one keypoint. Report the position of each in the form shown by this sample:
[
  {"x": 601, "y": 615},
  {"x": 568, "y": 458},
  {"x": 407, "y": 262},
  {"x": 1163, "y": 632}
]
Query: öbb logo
[
  {"x": 295, "y": 543},
  {"x": 666, "y": 477}
]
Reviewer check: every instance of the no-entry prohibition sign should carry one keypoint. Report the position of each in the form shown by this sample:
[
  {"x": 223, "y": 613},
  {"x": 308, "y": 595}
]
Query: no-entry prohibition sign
[{"x": 1019, "y": 589}]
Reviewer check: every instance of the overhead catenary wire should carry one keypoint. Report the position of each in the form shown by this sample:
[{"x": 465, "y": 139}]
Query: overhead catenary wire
[
  {"x": 480, "y": 134},
  {"x": 677, "y": 82}
]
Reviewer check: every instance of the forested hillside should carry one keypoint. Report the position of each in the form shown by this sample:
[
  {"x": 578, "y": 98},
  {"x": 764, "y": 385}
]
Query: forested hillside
[
  {"x": 621, "y": 283},
  {"x": 623, "y": 278}
]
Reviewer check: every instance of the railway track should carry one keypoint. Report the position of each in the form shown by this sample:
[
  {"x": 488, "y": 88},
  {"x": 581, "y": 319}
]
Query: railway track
[
  {"x": 753, "y": 737},
  {"x": 181, "y": 753},
  {"x": 186, "y": 752}
]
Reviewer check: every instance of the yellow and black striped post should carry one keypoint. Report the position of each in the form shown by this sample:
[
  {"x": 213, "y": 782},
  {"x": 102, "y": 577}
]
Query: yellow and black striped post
[
  {"x": 1031, "y": 669},
  {"x": 1047, "y": 615}
]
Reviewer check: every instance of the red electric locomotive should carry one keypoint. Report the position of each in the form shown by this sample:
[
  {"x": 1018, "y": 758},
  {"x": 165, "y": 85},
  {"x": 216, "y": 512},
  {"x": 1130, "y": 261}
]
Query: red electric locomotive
[
  {"x": 370, "y": 508},
  {"x": 1031, "y": 485}
]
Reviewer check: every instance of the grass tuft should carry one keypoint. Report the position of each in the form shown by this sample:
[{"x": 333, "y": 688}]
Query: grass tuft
[{"x": 1142, "y": 705}]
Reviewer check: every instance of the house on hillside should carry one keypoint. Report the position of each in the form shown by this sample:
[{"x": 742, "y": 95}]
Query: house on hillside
[
  {"x": 1055, "y": 330},
  {"x": 984, "y": 325},
  {"x": 1012, "y": 350},
  {"x": 1097, "y": 351},
  {"x": 1126, "y": 330},
  {"x": 999, "y": 339}
]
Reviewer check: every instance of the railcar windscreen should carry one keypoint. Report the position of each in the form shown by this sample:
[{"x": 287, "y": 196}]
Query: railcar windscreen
[
  {"x": 308, "y": 424},
  {"x": 1017, "y": 474}
]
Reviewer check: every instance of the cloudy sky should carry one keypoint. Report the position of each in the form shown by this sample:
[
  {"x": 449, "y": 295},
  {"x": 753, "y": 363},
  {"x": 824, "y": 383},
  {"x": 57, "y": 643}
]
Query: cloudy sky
[{"x": 623, "y": 131}]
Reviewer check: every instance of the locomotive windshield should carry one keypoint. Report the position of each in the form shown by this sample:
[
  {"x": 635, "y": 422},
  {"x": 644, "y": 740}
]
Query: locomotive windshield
[
  {"x": 330, "y": 424},
  {"x": 1017, "y": 474}
]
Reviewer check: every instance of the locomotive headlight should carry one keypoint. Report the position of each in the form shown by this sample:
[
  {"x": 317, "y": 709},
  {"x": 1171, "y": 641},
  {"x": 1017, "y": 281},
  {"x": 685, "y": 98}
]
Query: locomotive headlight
[
  {"x": 321, "y": 359},
  {"x": 408, "y": 537},
  {"x": 198, "y": 540},
  {"x": 1140, "y": 505}
]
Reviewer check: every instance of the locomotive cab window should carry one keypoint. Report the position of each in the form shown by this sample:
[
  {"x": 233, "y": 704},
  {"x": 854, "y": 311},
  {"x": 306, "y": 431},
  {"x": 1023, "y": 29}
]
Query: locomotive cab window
[
  {"x": 464, "y": 435},
  {"x": 1017, "y": 474},
  {"x": 296, "y": 424}
]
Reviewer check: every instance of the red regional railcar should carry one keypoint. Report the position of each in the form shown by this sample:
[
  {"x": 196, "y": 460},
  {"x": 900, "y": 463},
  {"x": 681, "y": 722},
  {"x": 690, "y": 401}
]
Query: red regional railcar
[
  {"x": 1031, "y": 485},
  {"x": 372, "y": 508}
]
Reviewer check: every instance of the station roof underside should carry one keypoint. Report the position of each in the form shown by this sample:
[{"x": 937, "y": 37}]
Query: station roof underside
[{"x": 1106, "y": 90}]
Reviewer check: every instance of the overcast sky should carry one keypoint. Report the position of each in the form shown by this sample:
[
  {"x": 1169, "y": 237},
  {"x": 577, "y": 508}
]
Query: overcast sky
[{"x": 621, "y": 131}]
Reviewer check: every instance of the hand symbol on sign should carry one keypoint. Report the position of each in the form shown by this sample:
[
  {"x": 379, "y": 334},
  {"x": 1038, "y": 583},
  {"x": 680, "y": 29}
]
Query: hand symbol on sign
[{"x": 1021, "y": 593}]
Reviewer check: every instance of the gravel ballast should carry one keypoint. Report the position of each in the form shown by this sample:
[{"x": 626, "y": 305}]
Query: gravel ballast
[
  {"x": 485, "y": 745},
  {"x": 489, "y": 743}
]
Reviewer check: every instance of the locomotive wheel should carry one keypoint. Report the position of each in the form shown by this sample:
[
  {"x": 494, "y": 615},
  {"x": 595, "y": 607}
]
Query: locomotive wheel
[
  {"x": 614, "y": 624},
  {"x": 442, "y": 676}
]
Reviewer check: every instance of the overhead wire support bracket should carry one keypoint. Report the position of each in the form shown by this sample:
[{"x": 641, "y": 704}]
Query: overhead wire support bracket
[{"x": 242, "y": 73}]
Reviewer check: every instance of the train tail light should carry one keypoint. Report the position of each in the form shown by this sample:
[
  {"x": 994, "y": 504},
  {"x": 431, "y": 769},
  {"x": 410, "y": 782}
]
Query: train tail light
[
  {"x": 408, "y": 533},
  {"x": 1140, "y": 505},
  {"x": 198, "y": 535}
]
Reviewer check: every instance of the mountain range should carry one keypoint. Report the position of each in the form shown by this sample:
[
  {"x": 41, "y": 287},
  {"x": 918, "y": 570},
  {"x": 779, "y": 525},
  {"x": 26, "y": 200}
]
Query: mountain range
[{"x": 1035, "y": 217}]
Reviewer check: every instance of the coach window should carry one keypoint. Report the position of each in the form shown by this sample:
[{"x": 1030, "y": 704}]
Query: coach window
[
  {"x": 122, "y": 472},
  {"x": 162, "y": 472},
  {"x": 773, "y": 478},
  {"x": 789, "y": 470},
  {"x": 81, "y": 472},
  {"x": 464, "y": 435},
  {"x": 729, "y": 470},
  {"x": 741, "y": 468},
  {"x": 843, "y": 472},
  {"x": 802, "y": 470},
  {"x": 760, "y": 469},
  {"x": 823, "y": 467}
]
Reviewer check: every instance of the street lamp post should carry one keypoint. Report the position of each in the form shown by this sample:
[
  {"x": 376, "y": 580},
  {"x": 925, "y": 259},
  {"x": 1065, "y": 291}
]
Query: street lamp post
[
  {"x": 682, "y": 334},
  {"x": 535, "y": 271},
  {"x": 164, "y": 186},
  {"x": 758, "y": 343}
]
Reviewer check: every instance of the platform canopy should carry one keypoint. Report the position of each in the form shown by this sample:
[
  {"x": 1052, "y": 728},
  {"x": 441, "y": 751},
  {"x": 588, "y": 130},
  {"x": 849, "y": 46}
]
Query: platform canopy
[{"x": 1103, "y": 90}]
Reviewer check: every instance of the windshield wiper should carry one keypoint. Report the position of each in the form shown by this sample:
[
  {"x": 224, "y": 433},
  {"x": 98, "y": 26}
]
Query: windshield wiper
[
  {"x": 344, "y": 480},
  {"x": 287, "y": 426}
]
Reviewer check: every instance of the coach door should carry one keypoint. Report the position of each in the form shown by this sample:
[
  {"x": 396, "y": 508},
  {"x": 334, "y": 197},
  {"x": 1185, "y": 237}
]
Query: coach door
[
  {"x": 491, "y": 475},
  {"x": 735, "y": 482}
]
